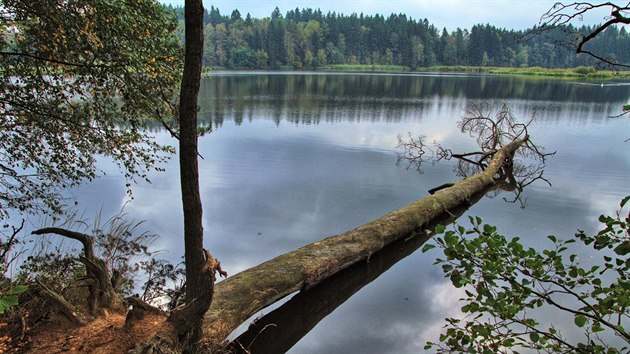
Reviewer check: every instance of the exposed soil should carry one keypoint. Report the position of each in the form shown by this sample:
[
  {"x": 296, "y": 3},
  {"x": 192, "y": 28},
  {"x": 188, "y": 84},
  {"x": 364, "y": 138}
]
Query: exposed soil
[{"x": 52, "y": 333}]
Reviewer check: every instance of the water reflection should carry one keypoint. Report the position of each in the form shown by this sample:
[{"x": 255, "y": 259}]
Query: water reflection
[
  {"x": 317, "y": 98},
  {"x": 292, "y": 160},
  {"x": 281, "y": 329}
]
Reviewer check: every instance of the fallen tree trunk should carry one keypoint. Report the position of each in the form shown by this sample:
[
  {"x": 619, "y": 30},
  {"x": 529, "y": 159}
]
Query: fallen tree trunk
[
  {"x": 279, "y": 330},
  {"x": 242, "y": 295}
]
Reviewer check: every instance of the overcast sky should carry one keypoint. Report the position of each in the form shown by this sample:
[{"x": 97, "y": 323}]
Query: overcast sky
[{"x": 451, "y": 14}]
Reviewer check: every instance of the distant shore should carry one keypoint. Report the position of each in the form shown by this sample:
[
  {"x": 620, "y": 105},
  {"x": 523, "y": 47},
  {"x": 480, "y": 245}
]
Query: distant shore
[{"x": 581, "y": 72}]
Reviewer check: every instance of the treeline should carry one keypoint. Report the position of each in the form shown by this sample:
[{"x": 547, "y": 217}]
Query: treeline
[{"x": 307, "y": 39}]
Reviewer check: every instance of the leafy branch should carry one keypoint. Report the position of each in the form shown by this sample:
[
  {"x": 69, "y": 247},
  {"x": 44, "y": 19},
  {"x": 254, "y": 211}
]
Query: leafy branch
[{"x": 504, "y": 282}]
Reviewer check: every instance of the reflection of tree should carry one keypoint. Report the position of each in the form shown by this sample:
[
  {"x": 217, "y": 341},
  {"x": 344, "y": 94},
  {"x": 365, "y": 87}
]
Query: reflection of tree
[
  {"x": 328, "y": 98},
  {"x": 492, "y": 132}
]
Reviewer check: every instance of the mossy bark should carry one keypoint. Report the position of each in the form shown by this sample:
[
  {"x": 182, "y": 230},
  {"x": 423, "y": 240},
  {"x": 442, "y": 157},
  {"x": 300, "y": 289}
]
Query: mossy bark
[
  {"x": 242, "y": 295},
  {"x": 279, "y": 330}
]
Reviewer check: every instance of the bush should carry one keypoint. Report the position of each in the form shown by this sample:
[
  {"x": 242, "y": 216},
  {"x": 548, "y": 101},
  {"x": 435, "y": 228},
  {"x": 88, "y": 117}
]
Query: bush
[
  {"x": 584, "y": 70},
  {"x": 505, "y": 283}
]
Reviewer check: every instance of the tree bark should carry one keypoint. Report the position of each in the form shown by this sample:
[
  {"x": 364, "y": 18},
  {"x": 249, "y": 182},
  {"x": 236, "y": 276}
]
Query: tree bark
[
  {"x": 279, "y": 330},
  {"x": 244, "y": 294},
  {"x": 199, "y": 283}
]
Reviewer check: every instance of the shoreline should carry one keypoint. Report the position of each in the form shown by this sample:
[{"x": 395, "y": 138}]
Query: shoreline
[{"x": 580, "y": 73}]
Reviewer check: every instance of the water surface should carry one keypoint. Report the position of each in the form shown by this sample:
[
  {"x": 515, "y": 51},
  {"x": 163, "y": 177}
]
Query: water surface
[{"x": 294, "y": 158}]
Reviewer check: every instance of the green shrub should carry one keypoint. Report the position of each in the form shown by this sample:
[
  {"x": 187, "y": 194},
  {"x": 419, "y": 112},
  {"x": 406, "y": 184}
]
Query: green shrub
[{"x": 584, "y": 70}]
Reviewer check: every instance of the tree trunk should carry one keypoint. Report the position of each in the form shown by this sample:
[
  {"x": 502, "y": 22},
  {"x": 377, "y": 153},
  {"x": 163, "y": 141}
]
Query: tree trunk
[
  {"x": 242, "y": 295},
  {"x": 101, "y": 285},
  {"x": 199, "y": 283},
  {"x": 279, "y": 330}
]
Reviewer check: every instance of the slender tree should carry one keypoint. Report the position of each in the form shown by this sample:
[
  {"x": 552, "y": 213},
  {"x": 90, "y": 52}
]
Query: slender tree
[{"x": 200, "y": 265}]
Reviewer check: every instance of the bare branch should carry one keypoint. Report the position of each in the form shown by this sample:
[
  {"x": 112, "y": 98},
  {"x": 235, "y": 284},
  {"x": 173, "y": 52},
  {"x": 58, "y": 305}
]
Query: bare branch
[
  {"x": 561, "y": 15},
  {"x": 492, "y": 129},
  {"x": 86, "y": 240}
]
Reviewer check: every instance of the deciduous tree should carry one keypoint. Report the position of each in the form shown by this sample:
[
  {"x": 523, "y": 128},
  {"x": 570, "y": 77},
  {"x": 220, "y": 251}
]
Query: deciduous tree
[{"x": 78, "y": 80}]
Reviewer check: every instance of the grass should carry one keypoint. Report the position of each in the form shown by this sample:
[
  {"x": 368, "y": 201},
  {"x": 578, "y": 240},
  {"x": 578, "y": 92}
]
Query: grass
[
  {"x": 364, "y": 68},
  {"x": 581, "y": 72}
]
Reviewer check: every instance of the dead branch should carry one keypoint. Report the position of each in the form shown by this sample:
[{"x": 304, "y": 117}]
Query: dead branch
[
  {"x": 86, "y": 240},
  {"x": 6, "y": 247},
  {"x": 492, "y": 129},
  {"x": 102, "y": 295},
  {"x": 561, "y": 15},
  {"x": 66, "y": 308},
  {"x": 413, "y": 151},
  {"x": 242, "y": 295},
  {"x": 139, "y": 310}
]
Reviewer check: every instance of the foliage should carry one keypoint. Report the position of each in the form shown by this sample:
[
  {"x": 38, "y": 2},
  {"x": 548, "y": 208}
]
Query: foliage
[
  {"x": 79, "y": 79},
  {"x": 303, "y": 35},
  {"x": 585, "y": 70},
  {"x": 506, "y": 284},
  {"x": 9, "y": 290},
  {"x": 365, "y": 68},
  {"x": 9, "y": 299}
]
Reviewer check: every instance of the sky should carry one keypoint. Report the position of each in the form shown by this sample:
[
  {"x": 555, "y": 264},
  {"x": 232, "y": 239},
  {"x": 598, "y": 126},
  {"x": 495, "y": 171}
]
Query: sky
[{"x": 451, "y": 14}]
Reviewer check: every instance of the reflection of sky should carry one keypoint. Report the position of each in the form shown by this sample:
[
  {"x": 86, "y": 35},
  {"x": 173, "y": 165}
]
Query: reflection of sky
[{"x": 270, "y": 186}]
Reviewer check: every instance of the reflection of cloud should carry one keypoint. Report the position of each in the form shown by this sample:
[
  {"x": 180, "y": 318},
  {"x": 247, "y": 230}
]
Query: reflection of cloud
[
  {"x": 269, "y": 188},
  {"x": 444, "y": 298}
]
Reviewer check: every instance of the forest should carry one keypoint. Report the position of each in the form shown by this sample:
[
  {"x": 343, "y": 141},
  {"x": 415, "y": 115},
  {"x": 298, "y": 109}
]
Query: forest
[
  {"x": 83, "y": 82},
  {"x": 309, "y": 39}
]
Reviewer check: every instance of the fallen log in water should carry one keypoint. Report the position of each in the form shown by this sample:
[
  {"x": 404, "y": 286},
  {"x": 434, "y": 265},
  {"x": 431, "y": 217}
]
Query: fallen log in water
[
  {"x": 242, "y": 295},
  {"x": 279, "y": 330}
]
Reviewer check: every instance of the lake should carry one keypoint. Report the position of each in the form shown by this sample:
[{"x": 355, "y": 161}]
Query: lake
[{"x": 294, "y": 158}]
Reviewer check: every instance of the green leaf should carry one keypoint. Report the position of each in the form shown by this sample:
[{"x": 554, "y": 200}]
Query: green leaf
[
  {"x": 552, "y": 238},
  {"x": 7, "y": 301},
  {"x": 619, "y": 328},
  {"x": 623, "y": 248},
  {"x": 450, "y": 238},
  {"x": 534, "y": 337},
  {"x": 597, "y": 327},
  {"x": 624, "y": 201},
  {"x": 439, "y": 229},
  {"x": 580, "y": 320},
  {"x": 489, "y": 229},
  {"x": 17, "y": 290},
  {"x": 427, "y": 247}
]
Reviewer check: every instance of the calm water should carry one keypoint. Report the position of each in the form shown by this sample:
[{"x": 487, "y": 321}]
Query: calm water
[{"x": 295, "y": 158}]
